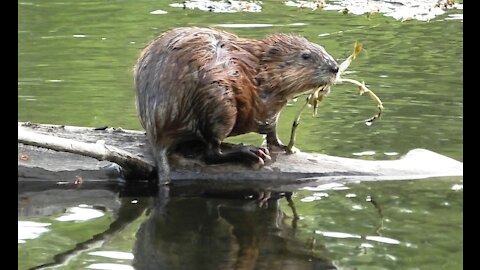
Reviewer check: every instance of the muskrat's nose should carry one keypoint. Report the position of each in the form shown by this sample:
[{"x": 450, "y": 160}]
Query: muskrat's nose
[{"x": 334, "y": 69}]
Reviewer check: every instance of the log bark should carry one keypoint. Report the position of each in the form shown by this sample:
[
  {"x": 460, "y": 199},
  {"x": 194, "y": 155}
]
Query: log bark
[{"x": 133, "y": 165}]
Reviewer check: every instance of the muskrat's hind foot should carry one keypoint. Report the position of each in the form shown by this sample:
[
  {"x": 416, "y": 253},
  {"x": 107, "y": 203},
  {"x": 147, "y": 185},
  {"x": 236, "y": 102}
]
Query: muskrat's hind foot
[{"x": 247, "y": 154}]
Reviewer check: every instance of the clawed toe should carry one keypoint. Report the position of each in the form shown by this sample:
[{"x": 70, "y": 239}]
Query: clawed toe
[
  {"x": 262, "y": 153},
  {"x": 248, "y": 154}
]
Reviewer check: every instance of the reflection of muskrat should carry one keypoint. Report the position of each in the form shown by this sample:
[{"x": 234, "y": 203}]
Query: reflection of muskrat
[{"x": 202, "y": 85}]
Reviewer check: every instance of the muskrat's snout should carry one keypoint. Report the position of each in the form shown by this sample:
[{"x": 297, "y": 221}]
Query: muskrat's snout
[
  {"x": 334, "y": 68},
  {"x": 327, "y": 72},
  {"x": 331, "y": 65}
]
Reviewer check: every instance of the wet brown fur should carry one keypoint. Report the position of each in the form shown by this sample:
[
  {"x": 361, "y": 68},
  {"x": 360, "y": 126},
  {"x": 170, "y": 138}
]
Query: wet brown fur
[{"x": 206, "y": 84}]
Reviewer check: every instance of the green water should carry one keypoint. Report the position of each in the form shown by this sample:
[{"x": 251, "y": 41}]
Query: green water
[{"x": 75, "y": 68}]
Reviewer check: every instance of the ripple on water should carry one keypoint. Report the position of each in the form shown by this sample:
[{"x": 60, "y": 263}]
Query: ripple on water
[
  {"x": 315, "y": 197},
  {"x": 338, "y": 234},
  {"x": 382, "y": 239},
  {"x": 31, "y": 230},
  {"x": 113, "y": 254},
  {"x": 364, "y": 153},
  {"x": 80, "y": 213},
  {"x": 158, "y": 12},
  {"x": 244, "y": 25},
  {"x": 110, "y": 266},
  {"x": 329, "y": 186}
]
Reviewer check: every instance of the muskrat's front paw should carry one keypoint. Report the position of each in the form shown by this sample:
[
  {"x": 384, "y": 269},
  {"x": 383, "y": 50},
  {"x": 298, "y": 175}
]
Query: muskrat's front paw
[{"x": 262, "y": 153}]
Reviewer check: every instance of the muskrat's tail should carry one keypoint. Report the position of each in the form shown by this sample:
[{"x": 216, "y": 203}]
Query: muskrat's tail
[{"x": 163, "y": 169}]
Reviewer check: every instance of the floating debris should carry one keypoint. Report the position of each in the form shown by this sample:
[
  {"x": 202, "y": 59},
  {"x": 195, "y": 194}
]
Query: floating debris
[
  {"x": 307, "y": 4},
  {"x": 403, "y": 10},
  {"x": 221, "y": 6}
]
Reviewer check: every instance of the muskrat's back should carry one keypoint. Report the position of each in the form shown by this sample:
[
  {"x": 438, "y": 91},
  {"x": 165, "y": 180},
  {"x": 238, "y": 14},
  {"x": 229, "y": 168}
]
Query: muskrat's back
[{"x": 186, "y": 84}]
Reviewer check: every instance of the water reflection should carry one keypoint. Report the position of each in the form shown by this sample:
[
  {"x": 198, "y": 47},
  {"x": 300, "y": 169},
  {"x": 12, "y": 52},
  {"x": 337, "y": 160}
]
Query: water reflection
[
  {"x": 375, "y": 225},
  {"x": 222, "y": 233},
  {"x": 195, "y": 229},
  {"x": 30, "y": 230}
]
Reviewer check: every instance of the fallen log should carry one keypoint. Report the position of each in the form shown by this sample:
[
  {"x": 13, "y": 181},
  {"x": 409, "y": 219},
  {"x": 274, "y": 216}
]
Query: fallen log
[
  {"x": 129, "y": 158},
  {"x": 130, "y": 163}
]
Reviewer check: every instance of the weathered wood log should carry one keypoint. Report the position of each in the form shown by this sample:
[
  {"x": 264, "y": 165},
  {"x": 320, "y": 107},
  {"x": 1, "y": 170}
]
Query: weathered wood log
[
  {"x": 295, "y": 169},
  {"x": 131, "y": 164}
]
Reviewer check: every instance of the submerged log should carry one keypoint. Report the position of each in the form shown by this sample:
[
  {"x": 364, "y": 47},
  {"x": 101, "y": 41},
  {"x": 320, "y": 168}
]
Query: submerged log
[{"x": 285, "y": 169}]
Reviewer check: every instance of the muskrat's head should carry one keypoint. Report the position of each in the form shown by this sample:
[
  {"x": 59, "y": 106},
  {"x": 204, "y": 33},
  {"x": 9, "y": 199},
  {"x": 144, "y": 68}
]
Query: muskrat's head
[{"x": 293, "y": 65}]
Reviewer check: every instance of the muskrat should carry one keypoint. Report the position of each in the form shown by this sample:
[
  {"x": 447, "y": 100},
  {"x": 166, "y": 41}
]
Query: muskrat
[{"x": 203, "y": 85}]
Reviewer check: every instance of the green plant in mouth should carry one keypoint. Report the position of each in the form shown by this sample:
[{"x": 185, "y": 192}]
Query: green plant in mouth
[{"x": 318, "y": 95}]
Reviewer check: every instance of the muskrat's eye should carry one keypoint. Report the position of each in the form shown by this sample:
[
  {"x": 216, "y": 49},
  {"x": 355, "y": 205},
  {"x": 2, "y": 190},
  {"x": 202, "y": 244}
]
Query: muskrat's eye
[{"x": 306, "y": 56}]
